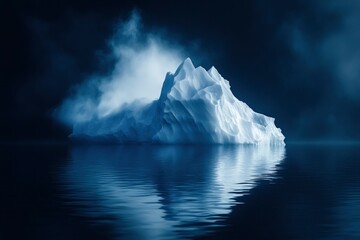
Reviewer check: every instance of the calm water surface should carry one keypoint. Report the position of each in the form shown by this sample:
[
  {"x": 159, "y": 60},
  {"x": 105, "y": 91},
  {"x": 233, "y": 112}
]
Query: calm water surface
[{"x": 179, "y": 192}]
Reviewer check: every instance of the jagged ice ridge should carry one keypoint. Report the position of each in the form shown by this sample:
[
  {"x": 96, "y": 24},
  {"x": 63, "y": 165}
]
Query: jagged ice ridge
[{"x": 195, "y": 106}]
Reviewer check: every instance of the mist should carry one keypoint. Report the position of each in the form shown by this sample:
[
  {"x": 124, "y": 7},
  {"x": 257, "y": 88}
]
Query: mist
[
  {"x": 142, "y": 59},
  {"x": 297, "y": 61},
  {"x": 337, "y": 50}
]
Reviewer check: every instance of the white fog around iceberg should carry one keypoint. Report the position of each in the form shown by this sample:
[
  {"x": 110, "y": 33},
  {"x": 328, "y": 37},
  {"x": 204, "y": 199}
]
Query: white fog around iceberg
[
  {"x": 147, "y": 99},
  {"x": 142, "y": 61}
]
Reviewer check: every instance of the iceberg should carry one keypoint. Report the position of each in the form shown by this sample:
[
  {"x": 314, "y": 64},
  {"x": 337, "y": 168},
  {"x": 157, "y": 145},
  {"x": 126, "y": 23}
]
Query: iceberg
[{"x": 195, "y": 106}]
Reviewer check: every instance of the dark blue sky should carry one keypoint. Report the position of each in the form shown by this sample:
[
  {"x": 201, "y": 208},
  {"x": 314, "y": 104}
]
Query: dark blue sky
[{"x": 297, "y": 61}]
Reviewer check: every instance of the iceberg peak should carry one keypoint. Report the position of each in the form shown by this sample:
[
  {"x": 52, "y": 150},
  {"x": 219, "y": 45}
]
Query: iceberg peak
[
  {"x": 185, "y": 67},
  {"x": 195, "y": 106},
  {"x": 214, "y": 73}
]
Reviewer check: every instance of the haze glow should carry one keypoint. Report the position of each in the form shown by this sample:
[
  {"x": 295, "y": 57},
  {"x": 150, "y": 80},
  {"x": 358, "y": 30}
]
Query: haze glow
[{"x": 142, "y": 61}]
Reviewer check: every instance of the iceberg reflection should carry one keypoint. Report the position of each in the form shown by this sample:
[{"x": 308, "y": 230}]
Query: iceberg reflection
[{"x": 163, "y": 192}]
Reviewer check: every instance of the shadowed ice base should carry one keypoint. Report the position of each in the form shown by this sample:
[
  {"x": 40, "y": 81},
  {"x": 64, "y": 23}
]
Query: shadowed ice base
[{"x": 163, "y": 192}]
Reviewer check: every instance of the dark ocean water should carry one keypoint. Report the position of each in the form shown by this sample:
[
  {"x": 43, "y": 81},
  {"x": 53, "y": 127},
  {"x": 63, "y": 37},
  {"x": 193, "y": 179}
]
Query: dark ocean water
[{"x": 59, "y": 191}]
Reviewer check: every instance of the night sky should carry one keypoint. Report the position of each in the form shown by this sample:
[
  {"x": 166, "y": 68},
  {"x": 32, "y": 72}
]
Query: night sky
[{"x": 297, "y": 61}]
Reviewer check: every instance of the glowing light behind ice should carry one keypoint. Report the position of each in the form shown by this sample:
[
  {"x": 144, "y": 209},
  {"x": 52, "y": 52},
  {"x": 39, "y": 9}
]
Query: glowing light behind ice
[
  {"x": 137, "y": 76},
  {"x": 142, "y": 61}
]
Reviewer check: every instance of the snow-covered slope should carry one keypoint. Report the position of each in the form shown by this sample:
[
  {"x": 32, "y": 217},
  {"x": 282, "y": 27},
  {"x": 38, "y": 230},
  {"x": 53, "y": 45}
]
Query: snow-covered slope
[{"x": 195, "y": 106}]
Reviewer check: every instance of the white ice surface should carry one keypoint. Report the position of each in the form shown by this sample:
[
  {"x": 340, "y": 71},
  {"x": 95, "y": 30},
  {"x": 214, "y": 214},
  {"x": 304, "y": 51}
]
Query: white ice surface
[{"x": 195, "y": 106}]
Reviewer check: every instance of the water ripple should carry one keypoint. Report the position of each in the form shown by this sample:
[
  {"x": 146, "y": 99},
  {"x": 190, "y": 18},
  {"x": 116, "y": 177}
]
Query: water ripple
[{"x": 163, "y": 192}]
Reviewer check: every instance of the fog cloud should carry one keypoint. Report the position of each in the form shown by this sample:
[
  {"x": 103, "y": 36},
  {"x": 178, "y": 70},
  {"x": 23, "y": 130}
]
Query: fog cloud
[
  {"x": 338, "y": 51},
  {"x": 341, "y": 50},
  {"x": 142, "y": 60}
]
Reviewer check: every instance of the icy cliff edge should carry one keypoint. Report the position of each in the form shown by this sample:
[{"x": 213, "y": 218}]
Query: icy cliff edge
[{"x": 195, "y": 106}]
